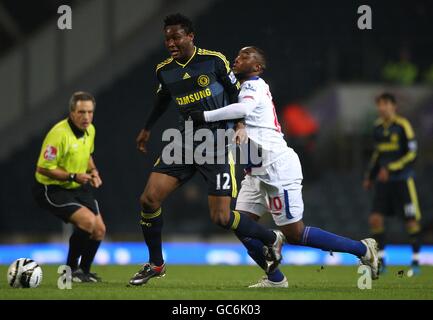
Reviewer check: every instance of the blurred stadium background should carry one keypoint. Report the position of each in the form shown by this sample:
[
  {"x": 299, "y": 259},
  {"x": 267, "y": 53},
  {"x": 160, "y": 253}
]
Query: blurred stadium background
[{"x": 323, "y": 72}]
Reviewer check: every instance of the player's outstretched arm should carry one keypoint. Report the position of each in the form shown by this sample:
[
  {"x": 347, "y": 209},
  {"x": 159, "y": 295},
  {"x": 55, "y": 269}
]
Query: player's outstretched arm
[{"x": 232, "y": 111}]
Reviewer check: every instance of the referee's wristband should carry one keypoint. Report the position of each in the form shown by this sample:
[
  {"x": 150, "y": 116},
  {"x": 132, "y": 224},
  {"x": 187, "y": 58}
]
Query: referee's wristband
[{"x": 72, "y": 177}]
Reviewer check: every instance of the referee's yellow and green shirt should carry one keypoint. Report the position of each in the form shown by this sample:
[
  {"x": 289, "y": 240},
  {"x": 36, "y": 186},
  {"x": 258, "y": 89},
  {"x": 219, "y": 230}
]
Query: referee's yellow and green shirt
[{"x": 63, "y": 148}]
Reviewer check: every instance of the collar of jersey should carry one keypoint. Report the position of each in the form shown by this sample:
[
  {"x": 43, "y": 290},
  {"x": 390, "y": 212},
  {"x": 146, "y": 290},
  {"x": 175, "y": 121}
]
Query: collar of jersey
[
  {"x": 253, "y": 78},
  {"x": 183, "y": 65},
  {"x": 77, "y": 132},
  {"x": 389, "y": 122}
]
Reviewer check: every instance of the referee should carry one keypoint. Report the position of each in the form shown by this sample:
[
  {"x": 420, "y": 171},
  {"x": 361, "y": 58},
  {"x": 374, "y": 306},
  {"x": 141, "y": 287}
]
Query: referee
[{"x": 65, "y": 170}]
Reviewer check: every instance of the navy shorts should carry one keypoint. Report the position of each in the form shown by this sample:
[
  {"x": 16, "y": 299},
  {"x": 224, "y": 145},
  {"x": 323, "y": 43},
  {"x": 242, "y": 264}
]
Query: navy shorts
[
  {"x": 397, "y": 198},
  {"x": 220, "y": 178}
]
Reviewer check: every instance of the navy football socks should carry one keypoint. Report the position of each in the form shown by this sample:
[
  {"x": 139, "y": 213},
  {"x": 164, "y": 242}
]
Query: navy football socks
[
  {"x": 151, "y": 225},
  {"x": 247, "y": 227}
]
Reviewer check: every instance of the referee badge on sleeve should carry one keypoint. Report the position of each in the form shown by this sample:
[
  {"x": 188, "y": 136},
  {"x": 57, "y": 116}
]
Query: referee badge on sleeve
[{"x": 50, "y": 153}]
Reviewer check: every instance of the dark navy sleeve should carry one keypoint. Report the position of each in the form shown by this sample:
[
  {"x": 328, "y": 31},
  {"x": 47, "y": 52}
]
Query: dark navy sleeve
[
  {"x": 160, "y": 106},
  {"x": 227, "y": 78}
]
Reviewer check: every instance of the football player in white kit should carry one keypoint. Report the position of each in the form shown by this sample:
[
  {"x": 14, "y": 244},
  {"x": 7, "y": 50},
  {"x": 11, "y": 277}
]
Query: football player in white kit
[{"x": 275, "y": 184}]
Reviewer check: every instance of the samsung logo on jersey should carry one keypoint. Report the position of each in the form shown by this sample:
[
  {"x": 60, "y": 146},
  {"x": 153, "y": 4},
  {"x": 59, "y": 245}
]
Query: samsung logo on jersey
[{"x": 194, "y": 97}]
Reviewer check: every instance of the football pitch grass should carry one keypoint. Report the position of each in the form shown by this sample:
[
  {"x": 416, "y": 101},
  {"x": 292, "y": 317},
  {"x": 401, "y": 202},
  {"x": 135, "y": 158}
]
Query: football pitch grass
[{"x": 230, "y": 283}]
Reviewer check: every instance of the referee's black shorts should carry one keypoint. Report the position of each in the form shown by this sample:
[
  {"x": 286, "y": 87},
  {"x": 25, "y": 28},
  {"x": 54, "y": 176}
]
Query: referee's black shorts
[
  {"x": 397, "y": 198},
  {"x": 63, "y": 203}
]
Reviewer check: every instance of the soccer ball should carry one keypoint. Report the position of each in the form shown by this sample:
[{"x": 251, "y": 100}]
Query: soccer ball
[{"x": 24, "y": 273}]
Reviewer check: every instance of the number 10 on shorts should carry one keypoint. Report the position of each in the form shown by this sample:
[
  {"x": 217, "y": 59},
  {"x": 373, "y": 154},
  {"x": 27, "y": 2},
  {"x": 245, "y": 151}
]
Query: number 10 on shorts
[{"x": 275, "y": 204}]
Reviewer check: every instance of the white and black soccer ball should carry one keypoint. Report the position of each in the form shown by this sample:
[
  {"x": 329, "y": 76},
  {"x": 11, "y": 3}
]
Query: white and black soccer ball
[{"x": 24, "y": 273}]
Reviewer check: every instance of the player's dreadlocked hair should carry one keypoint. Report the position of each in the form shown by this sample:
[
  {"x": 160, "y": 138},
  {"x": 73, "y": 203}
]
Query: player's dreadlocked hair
[
  {"x": 386, "y": 96},
  {"x": 179, "y": 19}
]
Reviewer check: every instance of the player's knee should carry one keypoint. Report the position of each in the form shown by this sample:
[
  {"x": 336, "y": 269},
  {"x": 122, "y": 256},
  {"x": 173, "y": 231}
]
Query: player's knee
[
  {"x": 294, "y": 237},
  {"x": 252, "y": 216},
  {"x": 87, "y": 224},
  {"x": 99, "y": 232},
  {"x": 220, "y": 217},
  {"x": 413, "y": 226},
  {"x": 293, "y": 232},
  {"x": 149, "y": 202}
]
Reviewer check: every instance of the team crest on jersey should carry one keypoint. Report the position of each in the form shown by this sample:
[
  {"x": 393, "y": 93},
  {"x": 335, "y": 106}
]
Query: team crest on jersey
[
  {"x": 248, "y": 86},
  {"x": 50, "y": 153},
  {"x": 203, "y": 81}
]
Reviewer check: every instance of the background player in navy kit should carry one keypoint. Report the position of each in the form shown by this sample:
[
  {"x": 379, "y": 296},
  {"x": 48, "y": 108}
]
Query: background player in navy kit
[
  {"x": 391, "y": 171},
  {"x": 195, "y": 79}
]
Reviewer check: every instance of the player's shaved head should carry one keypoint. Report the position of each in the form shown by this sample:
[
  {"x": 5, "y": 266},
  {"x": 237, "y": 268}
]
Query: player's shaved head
[
  {"x": 251, "y": 61},
  {"x": 258, "y": 54}
]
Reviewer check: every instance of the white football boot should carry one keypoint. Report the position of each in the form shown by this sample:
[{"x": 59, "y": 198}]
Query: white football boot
[
  {"x": 371, "y": 258},
  {"x": 266, "y": 283},
  {"x": 273, "y": 253}
]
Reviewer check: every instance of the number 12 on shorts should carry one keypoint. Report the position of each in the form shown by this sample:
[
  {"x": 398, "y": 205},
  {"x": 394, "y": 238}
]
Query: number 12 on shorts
[{"x": 226, "y": 183}]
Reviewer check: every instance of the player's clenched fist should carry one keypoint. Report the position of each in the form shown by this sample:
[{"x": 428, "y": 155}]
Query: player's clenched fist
[
  {"x": 83, "y": 178},
  {"x": 96, "y": 180},
  {"x": 142, "y": 139}
]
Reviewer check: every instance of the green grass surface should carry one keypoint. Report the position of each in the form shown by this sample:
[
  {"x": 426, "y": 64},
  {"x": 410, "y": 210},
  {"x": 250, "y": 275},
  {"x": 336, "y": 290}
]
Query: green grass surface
[{"x": 227, "y": 282}]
